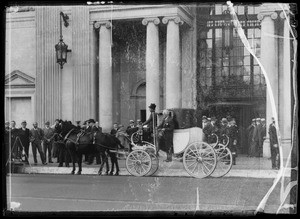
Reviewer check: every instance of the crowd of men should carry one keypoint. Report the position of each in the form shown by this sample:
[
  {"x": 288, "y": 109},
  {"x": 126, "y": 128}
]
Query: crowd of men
[
  {"x": 46, "y": 140},
  {"x": 227, "y": 127}
]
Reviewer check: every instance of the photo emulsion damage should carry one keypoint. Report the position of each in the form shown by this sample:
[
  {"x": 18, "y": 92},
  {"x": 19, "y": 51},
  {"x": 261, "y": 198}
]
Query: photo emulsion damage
[{"x": 173, "y": 109}]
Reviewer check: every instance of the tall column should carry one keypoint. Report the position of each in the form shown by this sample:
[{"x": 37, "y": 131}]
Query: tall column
[
  {"x": 270, "y": 62},
  {"x": 285, "y": 98},
  {"x": 105, "y": 75},
  {"x": 152, "y": 63},
  {"x": 173, "y": 76}
]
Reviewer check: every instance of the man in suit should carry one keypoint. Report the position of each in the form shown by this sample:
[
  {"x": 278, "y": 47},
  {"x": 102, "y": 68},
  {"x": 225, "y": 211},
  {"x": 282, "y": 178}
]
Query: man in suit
[
  {"x": 151, "y": 122},
  {"x": 15, "y": 150},
  {"x": 114, "y": 129},
  {"x": 232, "y": 133},
  {"x": 37, "y": 136},
  {"x": 208, "y": 130},
  {"x": 274, "y": 145},
  {"x": 48, "y": 141},
  {"x": 24, "y": 135},
  {"x": 257, "y": 138},
  {"x": 166, "y": 128},
  {"x": 251, "y": 143},
  {"x": 262, "y": 135},
  {"x": 131, "y": 128}
]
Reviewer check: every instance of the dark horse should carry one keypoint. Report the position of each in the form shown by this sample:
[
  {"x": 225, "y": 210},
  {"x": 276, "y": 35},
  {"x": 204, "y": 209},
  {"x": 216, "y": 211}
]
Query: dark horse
[{"x": 90, "y": 143}]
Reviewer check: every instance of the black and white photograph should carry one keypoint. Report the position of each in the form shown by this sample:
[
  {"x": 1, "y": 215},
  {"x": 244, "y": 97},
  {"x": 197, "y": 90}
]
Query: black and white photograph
[{"x": 139, "y": 108}]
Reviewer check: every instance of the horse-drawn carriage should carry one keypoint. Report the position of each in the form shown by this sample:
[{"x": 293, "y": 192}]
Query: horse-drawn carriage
[{"x": 200, "y": 159}]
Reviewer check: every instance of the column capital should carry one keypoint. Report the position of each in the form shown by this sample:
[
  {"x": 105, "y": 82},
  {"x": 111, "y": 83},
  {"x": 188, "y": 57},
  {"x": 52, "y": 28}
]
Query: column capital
[
  {"x": 176, "y": 19},
  {"x": 272, "y": 14},
  {"x": 282, "y": 15},
  {"x": 98, "y": 24},
  {"x": 155, "y": 20}
]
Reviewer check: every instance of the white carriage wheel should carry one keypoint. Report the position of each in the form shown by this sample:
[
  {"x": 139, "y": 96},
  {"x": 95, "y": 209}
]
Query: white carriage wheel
[
  {"x": 155, "y": 164},
  {"x": 151, "y": 148},
  {"x": 216, "y": 141},
  {"x": 224, "y": 161},
  {"x": 199, "y": 159},
  {"x": 138, "y": 163},
  {"x": 135, "y": 138}
]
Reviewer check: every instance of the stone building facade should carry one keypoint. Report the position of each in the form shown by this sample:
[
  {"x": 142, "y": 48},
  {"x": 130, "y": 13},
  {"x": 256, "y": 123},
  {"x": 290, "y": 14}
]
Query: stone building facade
[{"x": 125, "y": 57}]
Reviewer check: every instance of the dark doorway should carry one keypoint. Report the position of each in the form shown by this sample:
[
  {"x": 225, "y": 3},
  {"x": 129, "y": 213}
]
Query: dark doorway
[{"x": 143, "y": 115}]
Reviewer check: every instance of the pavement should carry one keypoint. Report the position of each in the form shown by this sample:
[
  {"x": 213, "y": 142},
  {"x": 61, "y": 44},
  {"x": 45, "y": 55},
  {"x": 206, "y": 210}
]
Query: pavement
[{"x": 245, "y": 167}]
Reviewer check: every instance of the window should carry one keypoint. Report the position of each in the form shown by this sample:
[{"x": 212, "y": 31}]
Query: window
[{"x": 223, "y": 53}]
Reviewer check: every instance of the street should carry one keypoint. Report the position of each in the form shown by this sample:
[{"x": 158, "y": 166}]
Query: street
[{"x": 43, "y": 193}]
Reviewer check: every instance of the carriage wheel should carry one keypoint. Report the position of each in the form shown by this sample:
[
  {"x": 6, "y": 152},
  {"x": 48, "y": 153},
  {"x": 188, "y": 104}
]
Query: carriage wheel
[
  {"x": 155, "y": 164},
  {"x": 224, "y": 140},
  {"x": 138, "y": 163},
  {"x": 214, "y": 139},
  {"x": 224, "y": 160},
  {"x": 150, "y": 147},
  {"x": 199, "y": 159},
  {"x": 135, "y": 138}
]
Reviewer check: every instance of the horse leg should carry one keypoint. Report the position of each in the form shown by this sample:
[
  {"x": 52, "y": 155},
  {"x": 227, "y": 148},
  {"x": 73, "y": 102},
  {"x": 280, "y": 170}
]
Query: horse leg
[
  {"x": 112, "y": 163},
  {"x": 73, "y": 157},
  {"x": 102, "y": 163},
  {"x": 79, "y": 161},
  {"x": 117, "y": 165},
  {"x": 107, "y": 165}
]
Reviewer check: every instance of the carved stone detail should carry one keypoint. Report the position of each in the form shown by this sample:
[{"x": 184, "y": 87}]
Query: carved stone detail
[
  {"x": 176, "y": 19},
  {"x": 98, "y": 24},
  {"x": 155, "y": 20}
]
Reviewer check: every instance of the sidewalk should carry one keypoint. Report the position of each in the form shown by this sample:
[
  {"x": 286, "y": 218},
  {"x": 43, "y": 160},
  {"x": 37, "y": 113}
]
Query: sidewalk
[{"x": 245, "y": 167}]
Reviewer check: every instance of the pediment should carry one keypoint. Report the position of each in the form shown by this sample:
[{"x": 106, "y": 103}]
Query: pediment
[{"x": 18, "y": 78}]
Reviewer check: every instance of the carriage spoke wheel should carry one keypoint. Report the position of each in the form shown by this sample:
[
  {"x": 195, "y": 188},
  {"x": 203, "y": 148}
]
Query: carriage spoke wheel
[
  {"x": 138, "y": 163},
  {"x": 135, "y": 138},
  {"x": 199, "y": 159},
  {"x": 155, "y": 164},
  {"x": 224, "y": 160}
]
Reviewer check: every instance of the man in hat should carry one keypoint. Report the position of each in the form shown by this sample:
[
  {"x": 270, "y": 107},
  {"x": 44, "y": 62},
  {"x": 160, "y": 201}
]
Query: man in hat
[
  {"x": 274, "y": 145},
  {"x": 24, "y": 135},
  {"x": 232, "y": 133},
  {"x": 257, "y": 138},
  {"x": 251, "y": 143},
  {"x": 48, "y": 141},
  {"x": 208, "y": 130},
  {"x": 36, "y": 139},
  {"x": 13, "y": 137},
  {"x": 151, "y": 122},
  {"x": 131, "y": 128},
  {"x": 166, "y": 128}
]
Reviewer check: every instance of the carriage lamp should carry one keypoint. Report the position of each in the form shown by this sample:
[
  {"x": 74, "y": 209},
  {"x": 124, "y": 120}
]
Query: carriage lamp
[{"x": 61, "y": 48}]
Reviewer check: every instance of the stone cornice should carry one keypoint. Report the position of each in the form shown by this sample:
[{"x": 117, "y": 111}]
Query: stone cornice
[
  {"x": 98, "y": 24},
  {"x": 176, "y": 19},
  {"x": 155, "y": 20}
]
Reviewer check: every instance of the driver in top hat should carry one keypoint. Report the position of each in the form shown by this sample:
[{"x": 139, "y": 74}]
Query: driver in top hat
[{"x": 152, "y": 120}]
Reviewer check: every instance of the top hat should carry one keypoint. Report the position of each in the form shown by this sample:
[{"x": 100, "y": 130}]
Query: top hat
[
  {"x": 152, "y": 106},
  {"x": 91, "y": 120},
  {"x": 131, "y": 121},
  {"x": 47, "y": 123},
  {"x": 24, "y": 121}
]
